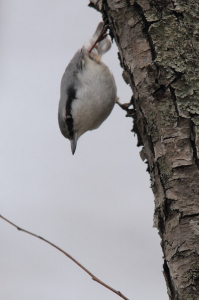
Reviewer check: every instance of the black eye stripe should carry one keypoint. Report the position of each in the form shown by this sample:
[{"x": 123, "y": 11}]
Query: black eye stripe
[{"x": 71, "y": 92}]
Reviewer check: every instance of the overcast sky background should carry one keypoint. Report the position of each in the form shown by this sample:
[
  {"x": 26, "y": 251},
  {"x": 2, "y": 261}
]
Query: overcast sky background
[{"x": 97, "y": 205}]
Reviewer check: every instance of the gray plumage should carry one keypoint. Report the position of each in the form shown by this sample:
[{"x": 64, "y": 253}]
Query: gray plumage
[{"x": 88, "y": 91}]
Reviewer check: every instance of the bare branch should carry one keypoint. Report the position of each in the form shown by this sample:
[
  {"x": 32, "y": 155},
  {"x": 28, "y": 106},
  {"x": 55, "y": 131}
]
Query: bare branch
[{"x": 69, "y": 256}]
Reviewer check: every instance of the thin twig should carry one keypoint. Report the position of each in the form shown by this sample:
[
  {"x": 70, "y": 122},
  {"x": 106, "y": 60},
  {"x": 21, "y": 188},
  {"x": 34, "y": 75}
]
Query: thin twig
[{"x": 69, "y": 256}]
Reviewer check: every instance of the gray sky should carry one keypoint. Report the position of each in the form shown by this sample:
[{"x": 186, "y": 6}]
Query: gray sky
[{"x": 97, "y": 204}]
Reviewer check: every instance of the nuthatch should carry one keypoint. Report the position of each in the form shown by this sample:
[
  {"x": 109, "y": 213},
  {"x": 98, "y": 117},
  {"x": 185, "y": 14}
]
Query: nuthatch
[{"x": 88, "y": 89}]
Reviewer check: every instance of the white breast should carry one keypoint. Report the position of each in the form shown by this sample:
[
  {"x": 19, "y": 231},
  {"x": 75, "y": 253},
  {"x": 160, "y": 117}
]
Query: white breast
[{"x": 96, "y": 96}]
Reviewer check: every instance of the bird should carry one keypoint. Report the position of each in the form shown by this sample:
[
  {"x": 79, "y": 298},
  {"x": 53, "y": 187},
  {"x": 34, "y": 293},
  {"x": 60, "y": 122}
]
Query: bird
[{"x": 88, "y": 90}]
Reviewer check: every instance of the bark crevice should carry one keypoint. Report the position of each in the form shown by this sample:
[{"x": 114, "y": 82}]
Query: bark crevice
[
  {"x": 146, "y": 26},
  {"x": 193, "y": 143}
]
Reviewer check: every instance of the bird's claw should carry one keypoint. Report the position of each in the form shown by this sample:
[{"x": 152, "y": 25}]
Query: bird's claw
[{"x": 125, "y": 106}]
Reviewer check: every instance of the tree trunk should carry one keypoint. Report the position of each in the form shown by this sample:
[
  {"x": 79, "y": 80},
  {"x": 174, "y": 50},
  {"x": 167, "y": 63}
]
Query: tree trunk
[{"x": 158, "y": 42}]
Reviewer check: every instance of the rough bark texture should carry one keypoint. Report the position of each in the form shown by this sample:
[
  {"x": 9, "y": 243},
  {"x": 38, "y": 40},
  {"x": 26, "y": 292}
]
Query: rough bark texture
[{"x": 158, "y": 42}]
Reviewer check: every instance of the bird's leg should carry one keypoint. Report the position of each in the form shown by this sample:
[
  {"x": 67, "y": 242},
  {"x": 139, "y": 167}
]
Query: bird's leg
[
  {"x": 125, "y": 106},
  {"x": 100, "y": 38}
]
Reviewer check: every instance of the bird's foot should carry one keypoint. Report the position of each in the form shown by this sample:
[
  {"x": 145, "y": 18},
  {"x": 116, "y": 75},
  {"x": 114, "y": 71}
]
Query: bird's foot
[
  {"x": 125, "y": 106},
  {"x": 100, "y": 38}
]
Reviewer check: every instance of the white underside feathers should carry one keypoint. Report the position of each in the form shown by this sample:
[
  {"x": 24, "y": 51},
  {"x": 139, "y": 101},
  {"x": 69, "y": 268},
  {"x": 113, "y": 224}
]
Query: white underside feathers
[{"x": 95, "y": 96}]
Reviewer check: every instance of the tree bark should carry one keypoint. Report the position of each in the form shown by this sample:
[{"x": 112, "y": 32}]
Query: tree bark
[{"x": 158, "y": 42}]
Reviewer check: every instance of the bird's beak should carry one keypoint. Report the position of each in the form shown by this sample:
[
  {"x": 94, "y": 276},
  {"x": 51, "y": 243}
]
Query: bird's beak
[{"x": 74, "y": 143}]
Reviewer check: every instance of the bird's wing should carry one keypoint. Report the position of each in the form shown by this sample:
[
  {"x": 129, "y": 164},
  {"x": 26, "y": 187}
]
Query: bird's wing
[{"x": 69, "y": 78}]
